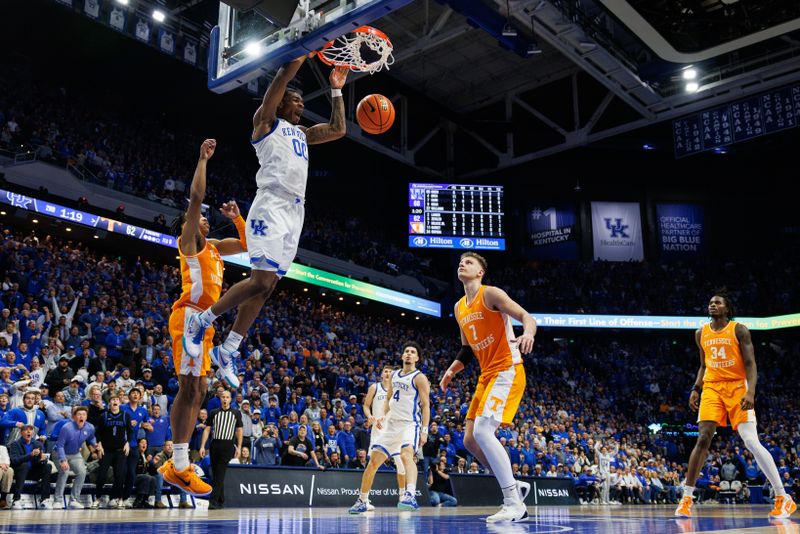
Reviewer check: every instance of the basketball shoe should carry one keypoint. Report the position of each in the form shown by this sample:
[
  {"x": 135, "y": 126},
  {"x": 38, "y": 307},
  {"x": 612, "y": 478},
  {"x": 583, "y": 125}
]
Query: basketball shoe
[
  {"x": 225, "y": 361},
  {"x": 784, "y": 507},
  {"x": 685, "y": 507},
  {"x": 186, "y": 480}
]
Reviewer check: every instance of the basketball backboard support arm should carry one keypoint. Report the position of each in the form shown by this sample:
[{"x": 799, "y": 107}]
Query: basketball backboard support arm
[{"x": 231, "y": 66}]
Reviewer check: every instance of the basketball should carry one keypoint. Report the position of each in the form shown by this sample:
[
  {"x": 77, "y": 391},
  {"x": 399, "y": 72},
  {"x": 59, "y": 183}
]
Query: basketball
[{"x": 375, "y": 114}]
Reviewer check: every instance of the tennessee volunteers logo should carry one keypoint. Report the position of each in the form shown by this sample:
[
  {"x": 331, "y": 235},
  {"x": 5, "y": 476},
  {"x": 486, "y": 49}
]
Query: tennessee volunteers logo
[{"x": 495, "y": 403}]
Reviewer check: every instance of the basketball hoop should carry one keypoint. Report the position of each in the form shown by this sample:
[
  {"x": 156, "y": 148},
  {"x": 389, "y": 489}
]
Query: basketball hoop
[{"x": 365, "y": 49}]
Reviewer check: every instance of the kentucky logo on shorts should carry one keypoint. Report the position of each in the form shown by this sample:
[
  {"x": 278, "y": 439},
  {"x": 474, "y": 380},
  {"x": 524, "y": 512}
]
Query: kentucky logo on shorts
[{"x": 258, "y": 226}]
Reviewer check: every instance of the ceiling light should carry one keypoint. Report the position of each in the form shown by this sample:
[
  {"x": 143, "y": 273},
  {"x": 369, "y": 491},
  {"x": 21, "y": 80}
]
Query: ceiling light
[
  {"x": 692, "y": 87},
  {"x": 35, "y": 221},
  {"x": 69, "y": 229},
  {"x": 2, "y": 213},
  {"x": 690, "y": 74},
  {"x": 534, "y": 49},
  {"x": 648, "y": 146},
  {"x": 254, "y": 49},
  {"x": 159, "y": 15},
  {"x": 509, "y": 31},
  {"x": 122, "y": 2}
]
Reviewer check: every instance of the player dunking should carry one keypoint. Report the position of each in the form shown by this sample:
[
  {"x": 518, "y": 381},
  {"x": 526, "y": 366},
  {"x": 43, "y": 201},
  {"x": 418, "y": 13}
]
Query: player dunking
[
  {"x": 484, "y": 316},
  {"x": 727, "y": 380},
  {"x": 407, "y": 406},
  {"x": 275, "y": 219},
  {"x": 201, "y": 284},
  {"x": 374, "y": 410}
]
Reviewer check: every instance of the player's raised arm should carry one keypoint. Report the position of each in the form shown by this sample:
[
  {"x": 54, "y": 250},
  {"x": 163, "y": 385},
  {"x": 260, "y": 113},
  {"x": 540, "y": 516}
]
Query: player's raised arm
[
  {"x": 497, "y": 299},
  {"x": 197, "y": 192},
  {"x": 230, "y": 245},
  {"x": 266, "y": 112},
  {"x": 336, "y": 127}
]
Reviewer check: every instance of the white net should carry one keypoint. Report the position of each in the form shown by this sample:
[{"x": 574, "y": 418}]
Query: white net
[{"x": 363, "y": 51}]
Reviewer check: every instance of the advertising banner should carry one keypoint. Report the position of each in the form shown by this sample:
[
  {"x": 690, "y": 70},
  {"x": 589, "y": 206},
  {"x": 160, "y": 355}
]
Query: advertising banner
[{"x": 617, "y": 231}]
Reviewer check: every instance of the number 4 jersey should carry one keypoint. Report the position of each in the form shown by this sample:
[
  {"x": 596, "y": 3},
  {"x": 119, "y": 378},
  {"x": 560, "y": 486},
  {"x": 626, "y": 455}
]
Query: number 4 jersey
[{"x": 722, "y": 355}]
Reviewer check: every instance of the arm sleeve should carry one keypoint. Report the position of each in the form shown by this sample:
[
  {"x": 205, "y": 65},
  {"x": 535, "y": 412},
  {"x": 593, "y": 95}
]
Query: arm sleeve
[
  {"x": 240, "y": 229},
  {"x": 465, "y": 355}
]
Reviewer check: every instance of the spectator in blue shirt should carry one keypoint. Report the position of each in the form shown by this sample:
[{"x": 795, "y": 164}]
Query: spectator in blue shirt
[
  {"x": 347, "y": 443},
  {"x": 29, "y": 462},
  {"x": 160, "y": 433},
  {"x": 70, "y": 440},
  {"x": 265, "y": 448},
  {"x": 450, "y": 450},
  {"x": 272, "y": 414},
  {"x": 139, "y": 422}
]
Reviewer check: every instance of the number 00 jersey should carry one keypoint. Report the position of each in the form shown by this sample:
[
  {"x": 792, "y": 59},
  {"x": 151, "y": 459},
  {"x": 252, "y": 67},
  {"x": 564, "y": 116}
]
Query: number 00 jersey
[
  {"x": 489, "y": 333},
  {"x": 283, "y": 157},
  {"x": 722, "y": 355},
  {"x": 201, "y": 278}
]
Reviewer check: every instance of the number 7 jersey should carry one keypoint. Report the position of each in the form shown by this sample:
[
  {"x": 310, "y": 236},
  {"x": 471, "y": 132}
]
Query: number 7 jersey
[
  {"x": 722, "y": 355},
  {"x": 489, "y": 334}
]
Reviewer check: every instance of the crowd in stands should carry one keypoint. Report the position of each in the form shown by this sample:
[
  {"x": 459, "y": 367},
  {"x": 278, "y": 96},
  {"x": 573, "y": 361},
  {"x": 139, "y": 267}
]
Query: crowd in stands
[{"x": 78, "y": 328}]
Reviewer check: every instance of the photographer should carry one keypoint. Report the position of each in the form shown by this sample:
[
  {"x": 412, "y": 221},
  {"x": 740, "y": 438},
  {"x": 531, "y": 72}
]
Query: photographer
[
  {"x": 439, "y": 488},
  {"x": 265, "y": 448}
]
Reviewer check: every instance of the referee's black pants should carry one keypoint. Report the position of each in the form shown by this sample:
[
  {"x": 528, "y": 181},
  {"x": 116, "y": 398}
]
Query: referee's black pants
[{"x": 221, "y": 453}]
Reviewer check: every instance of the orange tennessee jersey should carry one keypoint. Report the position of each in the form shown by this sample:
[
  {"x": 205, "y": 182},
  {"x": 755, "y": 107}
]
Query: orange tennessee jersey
[
  {"x": 489, "y": 333},
  {"x": 201, "y": 278},
  {"x": 722, "y": 355}
]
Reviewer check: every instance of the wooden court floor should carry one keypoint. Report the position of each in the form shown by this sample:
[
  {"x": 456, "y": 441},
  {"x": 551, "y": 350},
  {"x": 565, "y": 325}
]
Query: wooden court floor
[{"x": 580, "y": 519}]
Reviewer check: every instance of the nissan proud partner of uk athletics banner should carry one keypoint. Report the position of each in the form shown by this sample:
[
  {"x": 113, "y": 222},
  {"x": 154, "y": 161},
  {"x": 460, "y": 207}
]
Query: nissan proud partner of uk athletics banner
[{"x": 277, "y": 487}]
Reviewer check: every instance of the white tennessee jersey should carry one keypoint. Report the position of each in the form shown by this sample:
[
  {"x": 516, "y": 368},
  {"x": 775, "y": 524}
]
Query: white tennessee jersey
[
  {"x": 404, "y": 403},
  {"x": 378, "y": 401},
  {"x": 283, "y": 156}
]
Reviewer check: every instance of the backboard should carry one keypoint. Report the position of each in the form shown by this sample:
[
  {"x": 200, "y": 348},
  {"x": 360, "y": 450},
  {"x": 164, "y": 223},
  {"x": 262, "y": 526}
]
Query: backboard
[{"x": 245, "y": 45}]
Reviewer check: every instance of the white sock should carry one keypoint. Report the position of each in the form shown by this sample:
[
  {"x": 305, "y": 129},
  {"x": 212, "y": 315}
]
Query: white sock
[
  {"x": 180, "y": 456},
  {"x": 688, "y": 491},
  {"x": 207, "y": 317},
  {"x": 411, "y": 489},
  {"x": 232, "y": 342},
  {"x": 364, "y": 497},
  {"x": 763, "y": 458},
  {"x": 496, "y": 455}
]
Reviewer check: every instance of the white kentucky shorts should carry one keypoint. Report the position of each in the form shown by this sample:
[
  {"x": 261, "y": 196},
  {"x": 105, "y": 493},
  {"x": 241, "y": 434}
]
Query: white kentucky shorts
[
  {"x": 394, "y": 436},
  {"x": 274, "y": 224}
]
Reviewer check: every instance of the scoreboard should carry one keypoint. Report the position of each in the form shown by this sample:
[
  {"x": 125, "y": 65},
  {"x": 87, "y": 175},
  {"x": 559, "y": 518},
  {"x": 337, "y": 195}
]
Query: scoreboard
[{"x": 456, "y": 216}]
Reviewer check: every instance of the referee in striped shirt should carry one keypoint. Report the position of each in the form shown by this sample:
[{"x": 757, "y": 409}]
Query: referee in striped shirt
[{"x": 227, "y": 426}]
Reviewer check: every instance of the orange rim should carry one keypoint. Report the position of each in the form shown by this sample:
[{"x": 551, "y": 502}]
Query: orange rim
[{"x": 360, "y": 29}]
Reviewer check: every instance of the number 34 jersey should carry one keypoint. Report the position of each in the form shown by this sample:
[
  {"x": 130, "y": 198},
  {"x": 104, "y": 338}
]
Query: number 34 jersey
[{"x": 722, "y": 355}]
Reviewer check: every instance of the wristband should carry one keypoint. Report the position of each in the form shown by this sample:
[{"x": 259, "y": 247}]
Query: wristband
[
  {"x": 697, "y": 388},
  {"x": 336, "y": 92}
]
